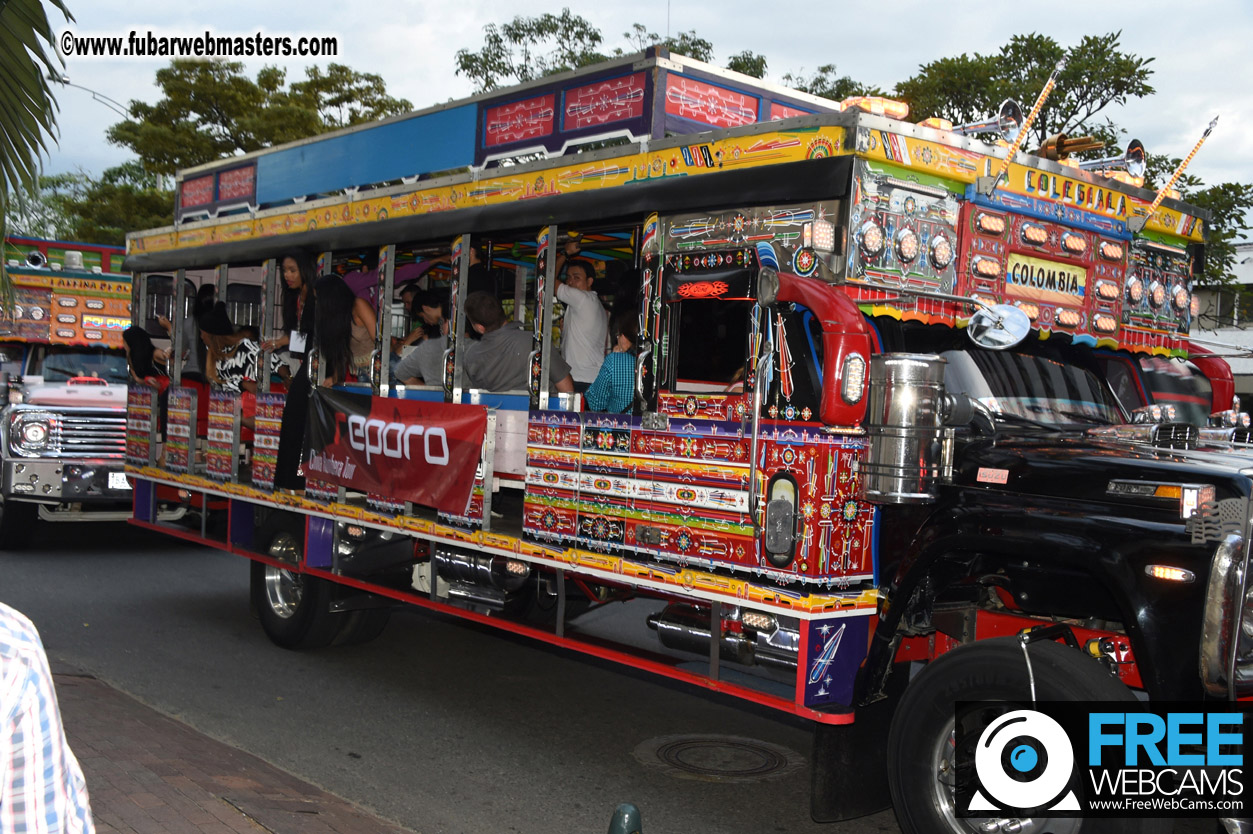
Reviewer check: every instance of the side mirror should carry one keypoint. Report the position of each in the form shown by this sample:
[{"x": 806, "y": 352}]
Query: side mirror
[{"x": 998, "y": 327}]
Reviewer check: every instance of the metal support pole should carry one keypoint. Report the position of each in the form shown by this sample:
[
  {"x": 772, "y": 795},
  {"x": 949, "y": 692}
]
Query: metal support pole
[
  {"x": 561, "y": 603},
  {"x": 315, "y": 367},
  {"x": 489, "y": 467},
  {"x": 269, "y": 274},
  {"x": 380, "y": 374},
  {"x": 460, "y": 282},
  {"x": 715, "y": 638},
  {"x": 546, "y": 304},
  {"x": 176, "y": 327}
]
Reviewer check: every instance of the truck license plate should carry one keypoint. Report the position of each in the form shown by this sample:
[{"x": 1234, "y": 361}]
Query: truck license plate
[{"x": 117, "y": 480}]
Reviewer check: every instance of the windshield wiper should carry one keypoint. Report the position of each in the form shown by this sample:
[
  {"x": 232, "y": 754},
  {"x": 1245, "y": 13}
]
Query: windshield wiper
[
  {"x": 1019, "y": 420},
  {"x": 1090, "y": 419}
]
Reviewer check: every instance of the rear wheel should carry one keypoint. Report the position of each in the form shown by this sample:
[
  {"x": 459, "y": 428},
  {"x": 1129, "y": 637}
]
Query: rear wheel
[
  {"x": 921, "y": 751},
  {"x": 294, "y": 608},
  {"x": 17, "y": 524}
]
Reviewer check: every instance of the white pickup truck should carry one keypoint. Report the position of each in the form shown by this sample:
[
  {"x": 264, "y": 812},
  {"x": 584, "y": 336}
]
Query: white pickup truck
[{"x": 62, "y": 438}]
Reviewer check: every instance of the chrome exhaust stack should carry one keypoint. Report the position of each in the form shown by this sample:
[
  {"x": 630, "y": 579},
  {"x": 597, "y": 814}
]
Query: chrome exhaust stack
[{"x": 685, "y": 628}]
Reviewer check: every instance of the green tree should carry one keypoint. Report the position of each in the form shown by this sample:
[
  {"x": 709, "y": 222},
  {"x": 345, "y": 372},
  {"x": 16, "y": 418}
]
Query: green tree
[
  {"x": 687, "y": 43},
  {"x": 971, "y": 88},
  {"x": 43, "y": 212},
  {"x": 1230, "y": 205},
  {"x": 210, "y": 110},
  {"x": 27, "y": 107},
  {"x": 749, "y": 63},
  {"x": 123, "y": 199},
  {"x": 527, "y": 48},
  {"x": 826, "y": 83}
]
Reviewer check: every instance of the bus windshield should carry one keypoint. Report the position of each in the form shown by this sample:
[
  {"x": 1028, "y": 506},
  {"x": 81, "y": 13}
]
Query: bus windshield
[
  {"x": 1030, "y": 388},
  {"x": 59, "y": 364}
]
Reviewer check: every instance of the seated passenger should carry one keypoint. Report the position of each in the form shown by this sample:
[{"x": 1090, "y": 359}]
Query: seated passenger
[
  {"x": 500, "y": 361},
  {"x": 614, "y": 388},
  {"x": 424, "y": 365}
]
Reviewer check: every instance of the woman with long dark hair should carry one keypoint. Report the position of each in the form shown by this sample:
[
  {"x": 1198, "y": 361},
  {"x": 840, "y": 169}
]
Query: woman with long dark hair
[
  {"x": 298, "y": 324},
  {"x": 334, "y": 325}
]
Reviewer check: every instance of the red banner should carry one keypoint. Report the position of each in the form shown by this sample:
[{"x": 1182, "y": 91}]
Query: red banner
[{"x": 408, "y": 450}]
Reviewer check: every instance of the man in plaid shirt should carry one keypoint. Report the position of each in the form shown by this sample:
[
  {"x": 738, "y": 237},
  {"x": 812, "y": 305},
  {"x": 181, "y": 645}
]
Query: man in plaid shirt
[{"x": 42, "y": 790}]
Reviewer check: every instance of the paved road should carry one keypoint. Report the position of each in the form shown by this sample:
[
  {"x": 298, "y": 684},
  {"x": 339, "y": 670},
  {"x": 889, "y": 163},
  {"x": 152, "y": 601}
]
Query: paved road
[{"x": 438, "y": 725}]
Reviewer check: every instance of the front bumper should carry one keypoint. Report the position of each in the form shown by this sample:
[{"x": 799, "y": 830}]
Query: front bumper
[{"x": 48, "y": 480}]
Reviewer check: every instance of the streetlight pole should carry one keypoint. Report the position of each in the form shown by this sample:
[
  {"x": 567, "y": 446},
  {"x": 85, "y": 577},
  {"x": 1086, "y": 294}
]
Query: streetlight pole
[{"x": 112, "y": 104}]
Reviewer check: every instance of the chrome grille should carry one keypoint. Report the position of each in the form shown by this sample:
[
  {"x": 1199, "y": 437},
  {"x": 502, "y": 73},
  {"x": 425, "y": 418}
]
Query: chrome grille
[
  {"x": 88, "y": 433},
  {"x": 1176, "y": 435},
  {"x": 1241, "y": 435}
]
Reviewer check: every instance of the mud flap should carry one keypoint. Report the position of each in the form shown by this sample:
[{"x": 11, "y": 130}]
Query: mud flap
[{"x": 849, "y": 762}]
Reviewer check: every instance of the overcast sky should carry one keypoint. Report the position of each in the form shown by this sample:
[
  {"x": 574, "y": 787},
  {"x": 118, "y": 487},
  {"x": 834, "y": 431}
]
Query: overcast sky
[{"x": 1201, "y": 50}]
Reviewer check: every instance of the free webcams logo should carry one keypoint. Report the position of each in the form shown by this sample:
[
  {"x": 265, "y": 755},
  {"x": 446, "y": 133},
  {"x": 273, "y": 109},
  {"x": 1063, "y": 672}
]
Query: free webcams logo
[
  {"x": 1093, "y": 759},
  {"x": 1024, "y": 759}
]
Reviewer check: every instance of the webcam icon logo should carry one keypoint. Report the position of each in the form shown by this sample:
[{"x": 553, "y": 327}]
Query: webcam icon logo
[{"x": 1024, "y": 760}]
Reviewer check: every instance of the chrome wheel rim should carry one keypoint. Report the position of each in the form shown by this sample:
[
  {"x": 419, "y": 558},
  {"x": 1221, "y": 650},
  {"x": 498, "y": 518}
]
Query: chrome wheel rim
[{"x": 283, "y": 589}]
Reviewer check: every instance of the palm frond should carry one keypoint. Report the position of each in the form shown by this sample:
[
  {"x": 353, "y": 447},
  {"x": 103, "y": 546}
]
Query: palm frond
[{"x": 27, "y": 107}]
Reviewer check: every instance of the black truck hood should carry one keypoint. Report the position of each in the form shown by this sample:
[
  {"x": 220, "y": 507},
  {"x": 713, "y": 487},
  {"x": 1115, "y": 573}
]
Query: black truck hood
[{"x": 1078, "y": 466}]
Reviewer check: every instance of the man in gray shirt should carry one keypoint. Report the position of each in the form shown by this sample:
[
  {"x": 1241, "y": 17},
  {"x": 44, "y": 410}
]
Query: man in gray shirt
[
  {"x": 499, "y": 362},
  {"x": 424, "y": 365}
]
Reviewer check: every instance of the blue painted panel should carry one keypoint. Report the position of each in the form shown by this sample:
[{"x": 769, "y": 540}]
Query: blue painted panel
[
  {"x": 429, "y": 395},
  {"x": 319, "y": 542},
  {"x": 510, "y": 402},
  {"x": 145, "y": 496},
  {"x": 242, "y": 524},
  {"x": 431, "y": 142}
]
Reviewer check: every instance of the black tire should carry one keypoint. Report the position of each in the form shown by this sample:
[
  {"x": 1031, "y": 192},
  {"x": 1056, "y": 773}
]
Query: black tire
[
  {"x": 362, "y": 626},
  {"x": 989, "y": 670},
  {"x": 294, "y": 608},
  {"x": 17, "y": 524}
]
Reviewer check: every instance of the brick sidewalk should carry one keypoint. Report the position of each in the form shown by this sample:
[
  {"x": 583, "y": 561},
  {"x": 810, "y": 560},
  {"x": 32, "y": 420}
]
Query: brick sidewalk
[{"x": 149, "y": 774}]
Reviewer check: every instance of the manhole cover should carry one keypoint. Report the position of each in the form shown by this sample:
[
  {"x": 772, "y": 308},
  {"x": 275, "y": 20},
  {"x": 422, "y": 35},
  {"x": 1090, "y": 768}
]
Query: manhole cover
[{"x": 718, "y": 758}]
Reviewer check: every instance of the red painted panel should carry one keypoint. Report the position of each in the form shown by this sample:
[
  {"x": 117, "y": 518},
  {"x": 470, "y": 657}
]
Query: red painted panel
[
  {"x": 604, "y": 102},
  {"x": 519, "y": 121},
  {"x": 237, "y": 184},
  {"x": 782, "y": 111},
  {"x": 709, "y": 104},
  {"x": 196, "y": 192}
]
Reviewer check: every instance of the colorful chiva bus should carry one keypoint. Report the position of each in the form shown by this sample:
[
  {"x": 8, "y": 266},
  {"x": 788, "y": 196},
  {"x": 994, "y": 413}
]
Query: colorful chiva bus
[{"x": 794, "y": 510}]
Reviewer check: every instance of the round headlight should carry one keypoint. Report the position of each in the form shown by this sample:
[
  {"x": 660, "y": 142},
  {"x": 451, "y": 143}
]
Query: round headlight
[
  {"x": 1135, "y": 290},
  {"x": 871, "y": 236},
  {"x": 34, "y": 434},
  {"x": 1179, "y": 297},
  {"x": 907, "y": 245},
  {"x": 1157, "y": 294},
  {"x": 941, "y": 252}
]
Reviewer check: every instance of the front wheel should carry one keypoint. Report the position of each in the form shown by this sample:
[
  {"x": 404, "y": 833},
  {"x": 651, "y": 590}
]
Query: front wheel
[{"x": 921, "y": 752}]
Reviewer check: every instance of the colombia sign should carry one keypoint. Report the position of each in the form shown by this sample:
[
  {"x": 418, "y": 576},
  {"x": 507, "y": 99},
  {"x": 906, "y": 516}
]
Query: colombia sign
[
  {"x": 422, "y": 452},
  {"x": 1046, "y": 281}
]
